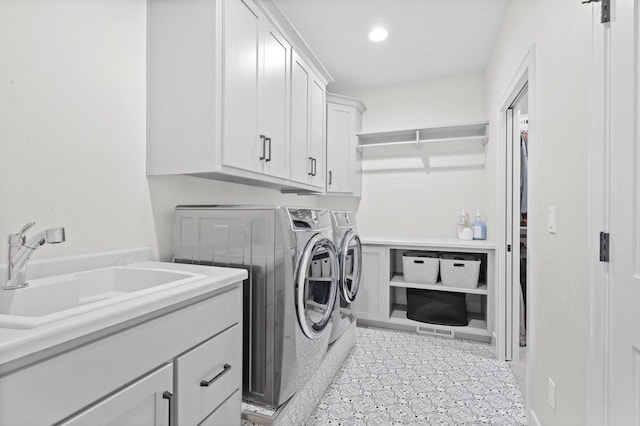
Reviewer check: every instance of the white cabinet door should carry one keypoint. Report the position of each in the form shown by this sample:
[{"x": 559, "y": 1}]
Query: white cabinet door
[
  {"x": 307, "y": 125},
  {"x": 256, "y": 58},
  {"x": 301, "y": 160},
  {"x": 241, "y": 145},
  {"x": 145, "y": 402},
  {"x": 372, "y": 301},
  {"x": 274, "y": 99},
  {"x": 340, "y": 131},
  {"x": 317, "y": 144}
]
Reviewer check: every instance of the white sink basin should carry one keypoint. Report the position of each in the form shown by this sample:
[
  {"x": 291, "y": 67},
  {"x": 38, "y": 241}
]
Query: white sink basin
[{"x": 51, "y": 299}]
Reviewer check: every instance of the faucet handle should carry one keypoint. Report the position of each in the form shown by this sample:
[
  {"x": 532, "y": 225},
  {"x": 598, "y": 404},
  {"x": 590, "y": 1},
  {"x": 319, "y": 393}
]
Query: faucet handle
[{"x": 18, "y": 239}]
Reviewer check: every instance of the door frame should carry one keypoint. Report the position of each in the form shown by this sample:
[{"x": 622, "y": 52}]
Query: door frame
[
  {"x": 526, "y": 75},
  {"x": 598, "y": 219}
]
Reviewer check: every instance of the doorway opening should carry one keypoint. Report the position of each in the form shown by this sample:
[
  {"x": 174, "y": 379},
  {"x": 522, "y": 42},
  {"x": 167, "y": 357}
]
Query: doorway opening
[
  {"x": 515, "y": 333},
  {"x": 516, "y": 230}
]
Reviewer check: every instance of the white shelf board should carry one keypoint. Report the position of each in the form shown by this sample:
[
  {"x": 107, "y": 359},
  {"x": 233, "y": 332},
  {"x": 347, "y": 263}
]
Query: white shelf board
[
  {"x": 443, "y": 244},
  {"x": 477, "y": 325},
  {"x": 475, "y": 131},
  {"x": 398, "y": 281},
  {"x": 416, "y": 144}
]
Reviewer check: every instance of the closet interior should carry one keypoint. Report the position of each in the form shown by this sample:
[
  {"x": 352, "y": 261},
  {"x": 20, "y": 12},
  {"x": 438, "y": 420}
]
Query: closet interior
[{"x": 524, "y": 156}]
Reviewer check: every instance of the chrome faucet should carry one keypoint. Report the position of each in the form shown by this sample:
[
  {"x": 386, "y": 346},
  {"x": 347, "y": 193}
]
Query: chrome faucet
[{"x": 20, "y": 251}]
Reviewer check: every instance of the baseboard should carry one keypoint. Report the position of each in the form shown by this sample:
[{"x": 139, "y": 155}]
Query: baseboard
[{"x": 533, "y": 419}]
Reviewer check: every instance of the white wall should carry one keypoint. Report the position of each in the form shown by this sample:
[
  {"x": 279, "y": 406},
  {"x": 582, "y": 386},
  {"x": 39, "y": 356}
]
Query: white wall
[
  {"x": 72, "y": 153},
  {"x": 399, "y": 197},
  {"x": 72, "y": 132},
  {"x": 561, "y": 32}
]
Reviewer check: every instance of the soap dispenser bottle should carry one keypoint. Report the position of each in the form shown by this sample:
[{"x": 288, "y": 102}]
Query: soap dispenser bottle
[
  {"x": 464, "y": 226},
  {"x": 479, "y": 227}
]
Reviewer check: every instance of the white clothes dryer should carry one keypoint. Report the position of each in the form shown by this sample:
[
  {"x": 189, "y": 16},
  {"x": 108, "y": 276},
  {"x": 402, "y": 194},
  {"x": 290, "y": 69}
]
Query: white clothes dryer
[{"x": 350, "y": 261}]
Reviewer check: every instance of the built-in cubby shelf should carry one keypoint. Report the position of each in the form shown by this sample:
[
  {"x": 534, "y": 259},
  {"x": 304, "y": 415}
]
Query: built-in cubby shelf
[
  {"x": 399, "y": 281},
  {"x": 382, "y": 298}
]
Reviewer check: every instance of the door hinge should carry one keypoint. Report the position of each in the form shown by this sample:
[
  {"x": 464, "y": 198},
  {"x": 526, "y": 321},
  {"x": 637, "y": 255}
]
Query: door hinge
[
  {"x": 605, "y": 12},
  {"x": 509, "y": 248},
  {"x": 604, "y": 247}
]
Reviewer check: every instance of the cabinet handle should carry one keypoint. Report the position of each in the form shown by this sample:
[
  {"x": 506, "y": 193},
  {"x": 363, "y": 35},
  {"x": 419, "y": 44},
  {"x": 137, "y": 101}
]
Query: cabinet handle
[
  {"x": 262, "y": 139},
  {"x": 206, "y": 383},
  {"x": 330, "y": 177},
  {"x": 269, "y": 157},
  {"x": 169, "y": 396},
  {"x": 315, "y": 169},
  {"x": 310, "y": 166}
]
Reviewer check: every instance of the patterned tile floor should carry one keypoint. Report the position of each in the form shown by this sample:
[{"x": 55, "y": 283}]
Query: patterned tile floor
[{"x": 399, "y": 378}]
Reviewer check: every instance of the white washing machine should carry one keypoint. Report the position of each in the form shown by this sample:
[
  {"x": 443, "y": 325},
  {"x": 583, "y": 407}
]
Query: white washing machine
[
  {"x": 349, "y": 248},
  {"x": 289, "y": 295}
]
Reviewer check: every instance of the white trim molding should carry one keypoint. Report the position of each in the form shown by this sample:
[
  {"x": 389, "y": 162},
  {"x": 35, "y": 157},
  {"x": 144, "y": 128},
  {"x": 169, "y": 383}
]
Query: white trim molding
[
  {"x": 598, "y": 219},
  {"x": 526, "y": 75}
]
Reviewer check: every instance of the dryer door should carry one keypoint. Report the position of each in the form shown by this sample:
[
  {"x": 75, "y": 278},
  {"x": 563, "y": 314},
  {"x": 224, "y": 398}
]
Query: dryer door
[
  {"x": 316, "y": 285},
  {"x": 350, "y": 266}
]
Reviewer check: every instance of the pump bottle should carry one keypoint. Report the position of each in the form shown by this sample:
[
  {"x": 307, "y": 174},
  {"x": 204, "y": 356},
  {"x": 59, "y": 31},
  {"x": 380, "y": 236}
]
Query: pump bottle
[
  {"x": 464, "y": 226},
  {"x": 479, "y": 227}
]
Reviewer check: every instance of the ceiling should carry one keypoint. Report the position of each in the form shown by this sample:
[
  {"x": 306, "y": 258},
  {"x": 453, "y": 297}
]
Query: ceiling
[{"x": 427, "y": 38}]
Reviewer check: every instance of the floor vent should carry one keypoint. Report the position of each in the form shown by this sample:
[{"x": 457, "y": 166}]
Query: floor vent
[{"x": 435, "y": 331}]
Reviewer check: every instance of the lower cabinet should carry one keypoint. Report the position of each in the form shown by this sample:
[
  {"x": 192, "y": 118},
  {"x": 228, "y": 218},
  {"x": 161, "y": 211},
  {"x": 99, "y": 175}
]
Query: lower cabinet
[
  {"x": 182, "y": 367},
  {"x": 385, "y": 289},
  {"x": 373, "y": 298}
]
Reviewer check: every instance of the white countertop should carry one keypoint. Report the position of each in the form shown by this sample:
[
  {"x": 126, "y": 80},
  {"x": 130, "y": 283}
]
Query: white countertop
[
  {"x": 22, "y": 346},
  {"x": 433, "y": 243}
]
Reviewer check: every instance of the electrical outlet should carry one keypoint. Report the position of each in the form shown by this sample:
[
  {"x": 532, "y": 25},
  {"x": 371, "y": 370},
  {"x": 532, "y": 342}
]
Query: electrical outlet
[{"x": 551, "y": 394}]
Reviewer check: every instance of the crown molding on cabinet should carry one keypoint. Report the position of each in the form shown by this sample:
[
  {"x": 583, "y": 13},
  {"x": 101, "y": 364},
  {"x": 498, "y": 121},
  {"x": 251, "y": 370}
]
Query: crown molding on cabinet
[
  {"x": 282, "y": 23},
  {"x": 347, "y": 100}
]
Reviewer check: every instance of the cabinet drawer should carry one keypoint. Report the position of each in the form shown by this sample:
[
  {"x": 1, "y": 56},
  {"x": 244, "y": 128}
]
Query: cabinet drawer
[
  {"x": 217, "y": 362},
  {"x": 228, "y": 413}
]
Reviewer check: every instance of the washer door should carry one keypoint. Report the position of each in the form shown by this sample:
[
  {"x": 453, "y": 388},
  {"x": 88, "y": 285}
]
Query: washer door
[
  {"x": 316, "y": 285},
  {"x": 350, "y": 266}
]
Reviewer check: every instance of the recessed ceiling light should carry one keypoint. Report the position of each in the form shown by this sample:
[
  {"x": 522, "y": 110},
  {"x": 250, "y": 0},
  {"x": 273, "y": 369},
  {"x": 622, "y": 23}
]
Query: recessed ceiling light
[{"x": 378, "y": 34}]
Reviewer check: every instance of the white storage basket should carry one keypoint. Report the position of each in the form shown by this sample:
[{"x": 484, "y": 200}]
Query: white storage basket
[
  {"x": 420, "y": 267},
  {"x": 460, "y": 270}
]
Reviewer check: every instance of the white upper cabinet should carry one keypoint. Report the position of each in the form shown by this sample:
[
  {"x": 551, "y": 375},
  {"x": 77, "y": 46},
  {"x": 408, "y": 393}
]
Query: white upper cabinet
[
  {"x": 242, "y": 147},
  {"x": 307, "y": 125},
  {"x": 273, "y": 90},
  {"x": 317, "y": 139},
  {"x": 344, "y": 121},
  {"x": 255, "y": 86},
  {"x": 219, "y": 93}
]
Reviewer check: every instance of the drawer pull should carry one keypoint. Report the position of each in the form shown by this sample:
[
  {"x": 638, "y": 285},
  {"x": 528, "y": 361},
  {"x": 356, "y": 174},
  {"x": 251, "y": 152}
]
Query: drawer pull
[
  {"x": 263, "y": 139},
  {"x": 206, "y": 383}
]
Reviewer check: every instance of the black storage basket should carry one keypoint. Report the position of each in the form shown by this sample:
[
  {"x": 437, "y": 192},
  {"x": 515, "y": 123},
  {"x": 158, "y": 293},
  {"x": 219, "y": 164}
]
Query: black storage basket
[{"x": 437, "y": 307}]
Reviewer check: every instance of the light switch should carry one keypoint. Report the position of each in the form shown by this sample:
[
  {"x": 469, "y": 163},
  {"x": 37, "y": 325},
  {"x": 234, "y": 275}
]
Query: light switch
[{"x": 552, "y": 220}]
